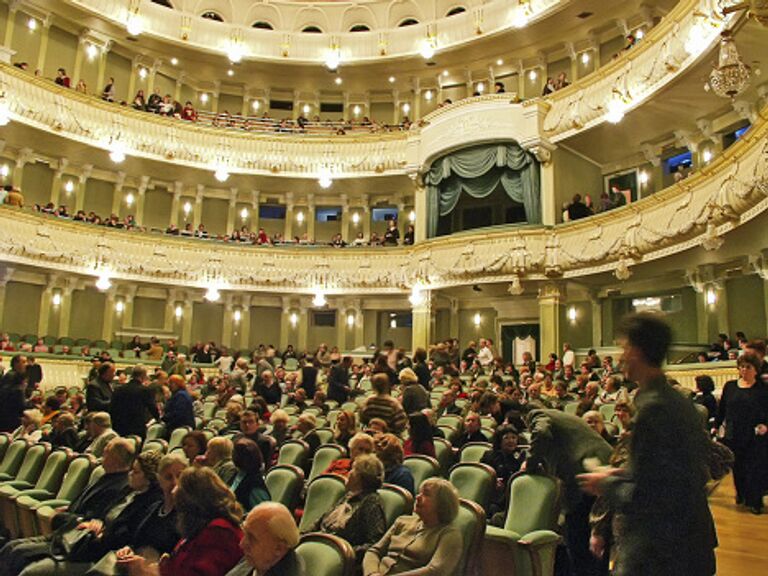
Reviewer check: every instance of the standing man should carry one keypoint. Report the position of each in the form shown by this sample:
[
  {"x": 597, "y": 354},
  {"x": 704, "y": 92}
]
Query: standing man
[
  {"x": 34, "y": 375},
  {"x": 666, "y": 525},
  {"x": 569, "y": 357},
  {"x": 133, "y": 404},
  {"x": 12, "y": 398},
  {"x": 98, "y": 393}
]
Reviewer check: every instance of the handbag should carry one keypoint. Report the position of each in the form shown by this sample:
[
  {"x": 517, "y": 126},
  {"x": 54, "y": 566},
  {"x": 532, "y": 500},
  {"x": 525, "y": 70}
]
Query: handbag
[{"x": 72, "y": 544}]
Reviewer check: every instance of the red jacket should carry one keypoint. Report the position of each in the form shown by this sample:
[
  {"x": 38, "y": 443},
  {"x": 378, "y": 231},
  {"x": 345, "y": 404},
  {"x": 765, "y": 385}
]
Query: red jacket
[{"x": 213, "y": 552}]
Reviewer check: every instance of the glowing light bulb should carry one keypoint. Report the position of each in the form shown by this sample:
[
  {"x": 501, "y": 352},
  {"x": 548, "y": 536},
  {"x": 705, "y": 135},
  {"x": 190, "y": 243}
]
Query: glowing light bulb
[
  {"x": 306, "y": 109},
  {"x": 134, "y": 25},
  {"x": 428, "y": 95},
  {"x": 174, "y": 61},
  {"x": 103, "y": 282},
  {"x": 143, "y": 73},
  {"x": 643, "y": 177},
  {"x": 117, "y": 152},
  {"x": 235, "y": 52},
  {"x": 129, "y": 199},
  {"x": 237, "y": 316},
  {"x": 178, "y": 312},
  {"x": 532, "y": 75},
  {"x": 337, "y": 81},
  {"x": 499, "y": 62},
  {"x": 230, "y": 72},
  {"x": 332, "y": 59},
  {"x": 427, "y": 49},
  {"x": 412, "y": 217},
  {"x": 319, "y": 300},
  {"x": 300, "y": 217},
  {"x": 69, "y": 187},
  {"x": 293, "y": 319},
  {"x": 350, "y": 320},
  {"x": 212, "y": 294},
  {"x": 91, "y": 51},
  {"x": 244, "y": 214},
  {"x": 406, "y": 108},
  {"x": 325, "y": 179},
  {"x": 4, "y": 170},
  {"x": 476, "y": 319},
  {"x": 204, "y": 97},
  {"x": 221, "y": 174},
  {"x": 119, "y": 306},
  {"x": 356, "y": 110},
  {"x": 572, "y": 313},
  {"x": 585, "y": 57},
  {"x": 519, "y": 17},
  {"x": 391, "y": 79},
  {"x": 56, "y": 300},
  {"x": 480, "y": 87},
  {"x": 355, "y": 218},
  {"x": 256, "y": 105},
  {"x": 32, "y": 24},
  {"x": 706, "y": 155}
]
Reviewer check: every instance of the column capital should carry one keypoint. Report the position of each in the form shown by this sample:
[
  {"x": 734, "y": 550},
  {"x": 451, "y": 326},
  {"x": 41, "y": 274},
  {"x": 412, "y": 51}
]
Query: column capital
[
  {"x": 119, "y": 181},
  {"x": 143, "y": 184},
  {"x": 199, "y": 195},
  {"x": 24, "y": 156},
  {"x": 178, "y": 188},
  {"x": 550, "y": 291},
  {"x": 85, "y": 172}
]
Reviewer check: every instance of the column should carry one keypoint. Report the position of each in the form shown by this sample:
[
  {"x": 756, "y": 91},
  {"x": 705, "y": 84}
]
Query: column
[
  {"x": 79, "y": 54},
  {"x": 127, "y": 320},
  {"x": 176, "y": 203},
  {"x": 303, "y": 328},
  {"x": 416, "y": 111},
  {"x": 341, "y": 326},
  {"x": 101, "y": 74},
  {"x": 107, "y": 331},
  {"x": 215, "y": 97},
  {"x": 117, "y": 193},
  {"x": 574, "y": 56},
  {"x": 245, "y": 108},
  {"x": 10, "y": 24},
  {"x": 255, "y": 210},
  {"x": 366, "y": 218},
  {"x": 231, "y": 212},
  {"x": 396, "y": 108},
  {"x": 56, "y": 184},
  {"x": 597, "y": 320},
  {"x": 549, "y": 319},
  {"x": 454, "y": 318},
  {"x": 169, "y": 314},
  {"x": 80, "y": 186},
  {"x": 549, "y": 209},
  {"x": 468, "y": 84},
  {"x": 310, "y": 220},
  {"x": 226, "y": 331},
  {"x": 345, "y": 219},
  {"x": 402, "y": 219},
  {"x": 296, "y": 105},
  {"x": 151, "y": 78},
  {"x": 421, "y": 334},
  {"x": 5, "y": 275},
  {"x": 197, "y": 213},
  {"x": 288, "y": 224},
  {"x": 186, "y": 324},
  {"x": 421, "y": 208},
  {"x": 245, "y": 324},
  {"x": 44, "y": 30},
  {"x": 65, "y": 311},
  {"x": 45, "y": 311},
  {"x": 359, "y": 336},
  {"x": 25, "y": 156},
  {"x": 285, "y": 325},
  {"x": 141, "y": 197},
  {"x": 135, "y": 65}
]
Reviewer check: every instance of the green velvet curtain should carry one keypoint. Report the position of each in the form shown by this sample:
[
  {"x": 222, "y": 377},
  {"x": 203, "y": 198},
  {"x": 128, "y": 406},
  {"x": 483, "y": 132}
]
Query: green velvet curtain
[{"x": 478, "y": 171}]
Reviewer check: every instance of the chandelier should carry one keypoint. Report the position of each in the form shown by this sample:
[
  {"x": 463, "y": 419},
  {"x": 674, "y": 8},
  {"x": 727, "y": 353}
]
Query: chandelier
[
  {"x": 730, "y": 77},
  {"x": 757, "y": 9}
]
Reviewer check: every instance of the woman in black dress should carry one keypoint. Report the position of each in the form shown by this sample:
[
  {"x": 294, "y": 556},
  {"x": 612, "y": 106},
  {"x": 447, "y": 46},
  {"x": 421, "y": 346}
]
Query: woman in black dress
[{"x": 744, "y": 411}]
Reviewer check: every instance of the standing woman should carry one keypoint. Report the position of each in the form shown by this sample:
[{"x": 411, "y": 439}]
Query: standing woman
[{"x": 744, "y": 411}]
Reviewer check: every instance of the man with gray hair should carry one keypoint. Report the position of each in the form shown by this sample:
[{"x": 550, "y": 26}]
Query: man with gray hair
[
  {"x": 269, "y": 538},
  {"x": 133, "y": 404},
  {"x": 98, "y": 426}
]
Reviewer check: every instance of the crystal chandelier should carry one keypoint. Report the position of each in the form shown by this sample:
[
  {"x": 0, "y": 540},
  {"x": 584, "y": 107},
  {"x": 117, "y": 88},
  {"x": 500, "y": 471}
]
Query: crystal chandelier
[{"x": 731, "y": 76}]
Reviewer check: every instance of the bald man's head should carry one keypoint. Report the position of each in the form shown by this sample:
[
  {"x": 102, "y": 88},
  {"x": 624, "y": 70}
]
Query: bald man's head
[{"x": 269, "y": 532}]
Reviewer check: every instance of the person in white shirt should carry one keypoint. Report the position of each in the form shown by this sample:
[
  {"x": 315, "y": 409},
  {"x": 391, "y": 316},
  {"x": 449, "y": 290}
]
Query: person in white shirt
[
  {"x": 485, "y": 354},
  {"x": 569, "y": 357}
]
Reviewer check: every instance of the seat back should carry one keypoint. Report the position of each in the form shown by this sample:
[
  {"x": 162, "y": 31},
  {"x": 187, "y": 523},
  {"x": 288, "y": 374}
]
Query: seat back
[
  {"x": 293, "y": 452},
  {"x": 607, "y": 411},
  {"x": 474, "y": 481},
  {"x": 571, "y": 408},
  {"x": 471, "y": 523},
  {"x": 322, "y": 493},
  {"x": 474, "y": 451},
  {"x": 33, "y": 463},
  {"x": 326, "y": 554},
  {"x": 422, "y": 467},
  {"x": 76, "y": 478},
  {"x": 157, "y": 444},
  {"x": 450, "y": 432},
  {"x": 209, "y": 409},
  {"x": 325, "y": 434},
  {"x": 156, "y": 430},
  {"x": 13, "y": 458},
  {"x": 5, "y": 441},
  {"x": 53, "y": 471},
  {"x": 396, "y": 502},
  {"x": 451, "y": 420},
  {"x": 444, "y": 454},
  {"x": 284, "y": 483},
  {"x": 324, "y": 456},
  {"x": 97, "y": 473},
  {"x": 533, "y": 503},
  {"x": 177, "y": 436}
]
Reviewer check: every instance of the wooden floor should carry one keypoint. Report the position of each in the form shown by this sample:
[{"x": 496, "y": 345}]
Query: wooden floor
[{"x": 743, "y": 537}]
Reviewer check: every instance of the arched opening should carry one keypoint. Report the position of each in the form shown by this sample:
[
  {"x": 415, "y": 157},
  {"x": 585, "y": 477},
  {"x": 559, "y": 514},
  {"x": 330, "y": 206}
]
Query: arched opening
[
  {"x": 211, "y": 15},
  {"x": 359, "y": 28},
  {"x": 311, "y": 30},
  {"x": 262, "y": 25},
  {"x": 165, "y": 3},
  {"x": 456, "y": 10},
  {"x": 408, "y": 22}
]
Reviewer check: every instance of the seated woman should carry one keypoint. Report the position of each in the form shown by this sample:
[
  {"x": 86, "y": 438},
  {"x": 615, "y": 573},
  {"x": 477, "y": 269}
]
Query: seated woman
[
  {"x": 344, "y": 428},
  {"x": 280, "y": 428},
  {"x": 419, "y": 436},
  {"x": 209, "y": 523},
  {"x": 248, "y": 484},
  {"x": 390, "y": 452},
  {"x": 595, "y": 421},
  {"x": 360, "y": 444},
  {"x": 506, "y": 460},
  {"x": 424, "y": 543},
  {"x": 30, "y": 426},
  {"x": 194, "y": 444},
  {"x": 118, "y": 529},
  {"x": 218, "y": 456},
  {"x": 359, "y": 516}
]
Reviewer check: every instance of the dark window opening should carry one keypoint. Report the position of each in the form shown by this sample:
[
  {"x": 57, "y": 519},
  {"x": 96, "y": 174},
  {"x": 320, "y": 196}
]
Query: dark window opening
[
  {"x": 496, "y": 209},
  {"x": 326, "y": 318},
  {"x": 359, "y": 28},
  {"x": 408, "y": 22},
  {"x": 272, "y": 212},
  {"x": 457, "y": 10},
  {"x": 261, "y": 25},
  {"x": 211, "y": 15},
  {"x": 312, "y": 30}
]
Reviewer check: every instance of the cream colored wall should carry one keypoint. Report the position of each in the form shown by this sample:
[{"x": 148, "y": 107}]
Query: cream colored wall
[
  {"x": 98, "y": 197},
  {"x": 207, "y": 322},
  {"x": 442, "y": 325},
  {"x": 610, "y": 48},
  {"x": 157, "y": 208},
  {"x": 232, "y": 103},
  {"x": 89, "y": 72},
  {"x": 37, "y": 182},
  {"x": 215, "y": 215},
  {"x": 555, "y": 68},
  {"x": 381, "y": 112},
  {"x": 400, "y": 336},
  {"x": 165, "y": 84},
  {"x": 119, "y": 68},
  {"x": 265, "y": 327},
  {"x": 325, "y": 231},
  {"x": 370, "y": 327},
  {"x": 317, "y": 335},
  {"x": 148, "y": 313},
  {"x": 579, "y": 332},
  {"x": 574, "y": 175},
  {"x": 62, "y": 48},
  {"x": 26, "y": 42},
  {"x": 487, "y": 329},
  {"x": 272, "y": 227},
  {"x": 3, "y": 19},
  {"x": 22, "y": 308},
  {"x": 746, "y": 305},
  {"x": 87, "y": 314}
]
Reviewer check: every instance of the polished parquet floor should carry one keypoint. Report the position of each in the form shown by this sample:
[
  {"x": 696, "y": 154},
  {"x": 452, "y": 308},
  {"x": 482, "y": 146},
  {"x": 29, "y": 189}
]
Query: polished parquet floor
[{"x": 743, "y": 537}]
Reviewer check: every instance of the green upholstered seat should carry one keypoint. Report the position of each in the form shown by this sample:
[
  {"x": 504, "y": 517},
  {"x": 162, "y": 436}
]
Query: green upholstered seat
[
  {"x": 528, "y": 540},
  {"x": 471, "y": 523},
  {"x": 571, "y": 408},
  {"x": 294, "y": 452},
  {"x": 177, "y": 436},
  {"x": 156, "y": 430},
  {"x": 444, "y": 454},
  {"x": 12, "y": 459},
  {"x": 350, "y": 407},
  {"x": 422, "y": 467},
  {"x": 157, "y": 444},
  {"x": 474, "y": 451},
  {"x": 450, "y": 432},
  {"x": 291, "y": 364},
  {"x": 322, "y": 493},
  {"x": 284, "y": 483},
  {"x": 49, "y": 508},
  {"x": 488, "y": 422},
  {"x": 396, "y": 501},
  {"x": 325, "y": 434},
  {"x": 324, "y": 456},
  {"x": 451, "y": 420},
  {"x": 45, "y": 487},
  {"x": 474, "y": 481},
  {"x": 327, "y": 555},
  {"x": 332, "y": 416},
  {"x": 5, "y": 441},
  {"x": 607, "y": 411},
  {"x": 31, "y": 466}
]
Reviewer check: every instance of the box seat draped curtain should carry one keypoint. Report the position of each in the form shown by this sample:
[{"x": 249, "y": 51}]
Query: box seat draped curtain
[{"x": 478, "y": 171}]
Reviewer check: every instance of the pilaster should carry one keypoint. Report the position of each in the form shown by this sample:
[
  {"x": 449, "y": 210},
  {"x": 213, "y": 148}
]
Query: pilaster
[
  {"x": 107, "y": 331},
  {"x": 255, "y": 223},
  {"x": 141, "y": 196},
  {"x": 421, "y": 334},
  {"x": 345, "y": 219},
  {"x": 176, "y": 203},
  {"x": 311, "y": 219},
  {"x": 226, "y": 330},
  {"x": 65, "y": 310},
  {"x": 549, "y": 318},
  {"x": 303, "y": 328},
  {"x": 288, "y": 224},
  {"x": 232, "y": 211},
  {"x": 197, "y": 214},
  {"x": 44, "y": 32},
  {"x": 43, "y": 318}
]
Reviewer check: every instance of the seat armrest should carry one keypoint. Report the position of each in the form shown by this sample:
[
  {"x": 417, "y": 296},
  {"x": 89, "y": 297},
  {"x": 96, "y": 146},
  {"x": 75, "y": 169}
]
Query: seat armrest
[
  {"x": 16, "y": 484},
  {"x": 501, "y": 536},
  {"x": 55, "y": 504},
  {"x": 539, "y": 538},
  {"x": 36, "y": 494}
]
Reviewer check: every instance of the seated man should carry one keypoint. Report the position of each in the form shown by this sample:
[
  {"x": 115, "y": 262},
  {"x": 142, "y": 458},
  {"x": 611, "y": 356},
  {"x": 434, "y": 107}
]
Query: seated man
[
  {"x": 98, "y": 427},
  {"x": 269, "y": 538},
  {"x": 93, "y": 504}
]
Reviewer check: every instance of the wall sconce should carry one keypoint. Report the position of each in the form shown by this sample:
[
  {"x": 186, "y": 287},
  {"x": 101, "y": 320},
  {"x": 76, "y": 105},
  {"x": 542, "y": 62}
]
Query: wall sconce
[
  {"x": 350, "y": 320},
  {"x": 306, "y": 109},
  {"x": 711, "y": 296},
  {"x": 428, "y": 95},
  {"x": 255, "y": 105},
  {"x": 103, "y": 282},
  {"x": 393, "y": 322},
  {"x": 32, "y": 24},
  {"x": 4, "y": 170},
  {"x": 56, "y": 299},
  {"x": 119, "y": 306},
  {"x": 412, "y": 216},
  {"x": 572, "y": 314},
  {"x": 356, "y": 110},
  {"x": 293, "y": 319},
  {"x": 69, "y": 186},
  {"x": 406, "y": 108},
  {"x": 143, "y": 73},
  {"x": 237, "y": 316},
  {"x": 91, "y": 51},
  {"x": 129, "y": 198},
  {"x": 643, "y": 177},
  {"x": 706, "y": 156},
  {"x": 355, "y": 218},
  {"x": 300, "y": 217},
  {"x": 187, "y": 208},
  {"x": 204, "y": 97},
  {"x": 178, "y": 312},
  {"x": 477, "y": 319},
  {"x": 244, "y": 214}
]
